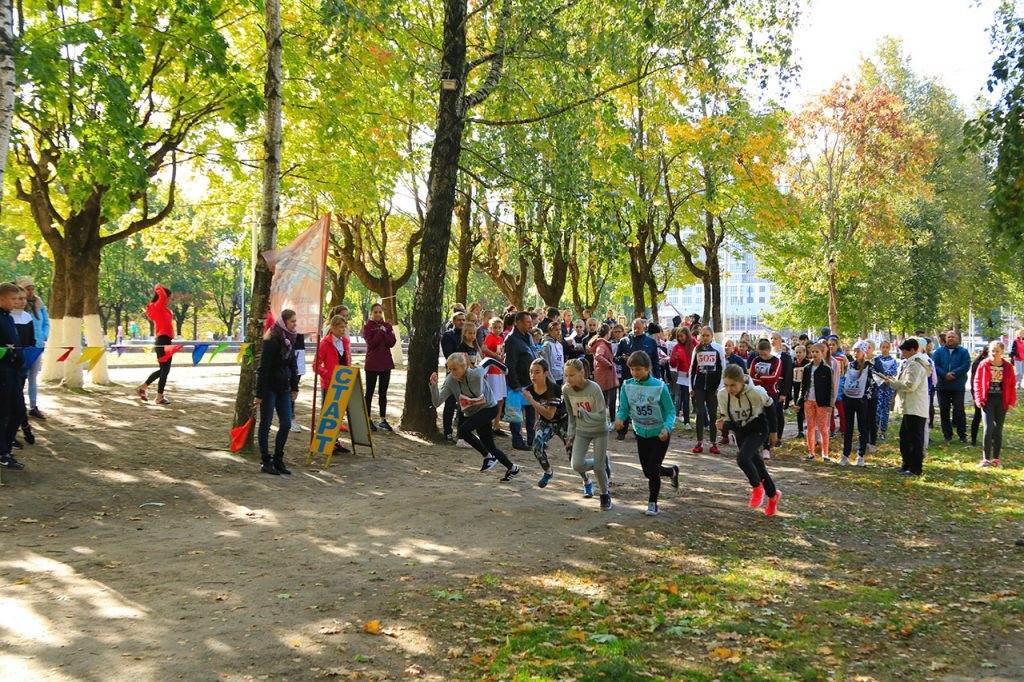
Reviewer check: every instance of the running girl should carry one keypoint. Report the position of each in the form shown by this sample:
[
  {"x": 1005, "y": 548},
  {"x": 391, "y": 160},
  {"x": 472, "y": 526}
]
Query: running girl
[
  {"x": 469, "y": 386},
  {"x": 749, "y": 413},
  {"x": 647, "y": 402},
  {"x": 588, "y": 423},
  {"x": 160, "y": 314},
  {"x": 545, "y": 396}
]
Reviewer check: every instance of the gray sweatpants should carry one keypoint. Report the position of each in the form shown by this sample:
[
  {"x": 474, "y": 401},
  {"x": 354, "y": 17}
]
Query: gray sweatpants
[{"x": 599, "y": 463}]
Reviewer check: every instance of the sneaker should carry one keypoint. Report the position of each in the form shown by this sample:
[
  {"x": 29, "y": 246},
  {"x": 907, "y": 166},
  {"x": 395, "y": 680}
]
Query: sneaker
[
  {"x": 162, "y": 401},
  {"x": 488, "y": 464},
  {"x": 687, "y": 426},
  {"x": 963, "y": 440},
  {"x": 606, "y": 502},
  {"x": 510, "y": 474},
  {"x": 141, "y": 392},
  {"x": 756, "y": 496},
  {"x": 9, "y": 462},
  {"x": 30, "y": 437},
  {"x": 984, "y": 463},
  {"x": 773, "y": 503},
  {"x": 384, "y": 426},
  {"x": 16, "y": 444},
  {"x": 620, "y": 436},
  {"x": 996, "y": 462},
  {"x": 844, "y": 461},
  {"x": 698, "y": 448},
  {"x": 872, "y": 448},
  {"x": 652, "y": 509},
  {"x": 373, "y": 425},
  {"x": 714, "y": 450},
  {"x": 34, "y": 412},
  {"x": 545, "y": 479},
  {"x": 340, "y": 449},
  {"x": 881, "y": 435},
  {"x": 860, "y": 461},
  {"x": 826, "y": 458},
  {"x": 588, "y": 489},
  {"x": 809, "y": 457},
  {"x": 801, "y": 434},
  {"x": 675, "y": 476},
  {"x": 766, "y": 455},
  {"x": 296, "y": 427},
  {"x": 269, "y": 468},
  {"x": 449, "y": 438}
]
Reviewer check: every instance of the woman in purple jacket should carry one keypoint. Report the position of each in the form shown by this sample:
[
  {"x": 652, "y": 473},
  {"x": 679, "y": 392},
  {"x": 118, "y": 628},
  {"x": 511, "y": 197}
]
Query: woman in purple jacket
[{"x": 380, "y": 339}]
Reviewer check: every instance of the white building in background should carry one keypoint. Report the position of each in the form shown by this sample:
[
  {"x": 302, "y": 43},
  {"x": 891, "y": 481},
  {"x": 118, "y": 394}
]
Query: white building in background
[{"x": 746, "y": 298}]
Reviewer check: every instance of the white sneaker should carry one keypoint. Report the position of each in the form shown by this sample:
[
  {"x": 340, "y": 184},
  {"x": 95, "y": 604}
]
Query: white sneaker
[
  {"x": 844, "y": 461},
  {"x": 860, "y": 462},
  {"x": 652, "y": 509},
  {"x": 296, "y": 427},
  {"x": 872, "y": 449}
]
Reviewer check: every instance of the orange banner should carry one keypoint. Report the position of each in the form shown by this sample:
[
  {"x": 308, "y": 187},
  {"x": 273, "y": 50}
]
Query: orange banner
[{"x": 298, "y": 276}]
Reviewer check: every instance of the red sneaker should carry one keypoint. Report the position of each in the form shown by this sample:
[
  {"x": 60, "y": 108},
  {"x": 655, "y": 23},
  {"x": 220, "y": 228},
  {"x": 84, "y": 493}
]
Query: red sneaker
[
  {"x": 756, "y": 496},
  {"x": 714, "y": 450},
  {"x": 698, "y": 448},
  {"x": 996, "y": 463},
  {"x": 773, "y": 503}
]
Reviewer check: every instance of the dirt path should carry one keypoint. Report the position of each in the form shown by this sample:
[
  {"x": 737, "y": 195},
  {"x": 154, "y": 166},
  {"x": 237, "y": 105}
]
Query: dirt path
[{"x": 238, "y": 575}]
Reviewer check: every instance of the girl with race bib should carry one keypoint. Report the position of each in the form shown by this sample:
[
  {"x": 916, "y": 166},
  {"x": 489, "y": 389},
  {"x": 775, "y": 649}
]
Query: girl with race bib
[
  {"x": 750, "y": 415},
  {"x": 588, "y": 423},
  {"x": 648, "y": 403}
]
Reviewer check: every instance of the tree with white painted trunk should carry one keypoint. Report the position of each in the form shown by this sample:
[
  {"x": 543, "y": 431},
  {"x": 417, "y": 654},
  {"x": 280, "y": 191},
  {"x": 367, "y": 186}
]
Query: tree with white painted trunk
[
  {"x": 7, "y": 84},
  {"x": 115, "y": 97}
]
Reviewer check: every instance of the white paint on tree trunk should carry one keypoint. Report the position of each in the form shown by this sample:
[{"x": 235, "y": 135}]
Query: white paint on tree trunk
[
  {"x": 52, "y": 370},
  {"x": 7, "y": 82},
  {"x": 71, "y": 335},
  {"x": 94, "y": 337}
]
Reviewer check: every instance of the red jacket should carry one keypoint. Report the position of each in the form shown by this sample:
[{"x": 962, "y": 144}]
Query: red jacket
[
  {"x": 380, "y": 338},
  {"x": 682, "y": 356},
  {"x": 1017, "y": 349},
  {"x": 983, "y": 377},
  {"x": 606, "y": 374},
  {"x": 327, "y": 359},
  {"x": 160, "y": 314},
  {"x": 767, "y": 373}
]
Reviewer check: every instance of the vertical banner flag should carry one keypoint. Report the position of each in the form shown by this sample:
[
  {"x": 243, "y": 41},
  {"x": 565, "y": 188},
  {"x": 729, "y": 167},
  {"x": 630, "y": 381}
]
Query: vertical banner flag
[{"x": 298, "y": 276}]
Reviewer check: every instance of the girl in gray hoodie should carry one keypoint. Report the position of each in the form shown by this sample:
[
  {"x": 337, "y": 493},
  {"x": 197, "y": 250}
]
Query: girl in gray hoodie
[{"x": 588, "y": 423}]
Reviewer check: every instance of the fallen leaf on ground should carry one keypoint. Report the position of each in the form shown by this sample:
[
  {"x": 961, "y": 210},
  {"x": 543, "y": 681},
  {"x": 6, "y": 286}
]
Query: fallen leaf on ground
[{"x": 372, "y": 627}]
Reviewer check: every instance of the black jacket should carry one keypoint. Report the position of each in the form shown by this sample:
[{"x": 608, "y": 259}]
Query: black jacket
[
  {"x": 12, "y": 360},
  {"x": 518, "y": 356},
  {"x": 786, "y": 384},
  {"x": 450, "y": 341},
  {"x": 822, "y": 384},
  {"x": 276, "y": 374}
]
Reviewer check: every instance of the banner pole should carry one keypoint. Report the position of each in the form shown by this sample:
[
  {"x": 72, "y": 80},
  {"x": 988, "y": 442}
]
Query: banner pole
[{"x": 320, "y": 317}]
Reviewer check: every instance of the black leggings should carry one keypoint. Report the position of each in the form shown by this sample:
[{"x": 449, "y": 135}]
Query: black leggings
[
  {"x": 382, "y": 395},
  {"x": 857, "y": 410},
  {"x": 749, "y": 457},
  {"x": 652, "y": 453},
  {"x": 476, "y": 430},
  {"x": 800, "y": 418},
  {"x": 975, "y": 424},
  {"x": 160, "y": 375}
]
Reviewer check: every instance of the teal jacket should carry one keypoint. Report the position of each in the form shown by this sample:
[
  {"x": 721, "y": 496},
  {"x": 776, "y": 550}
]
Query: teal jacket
[{"x": 648, "y": 404}]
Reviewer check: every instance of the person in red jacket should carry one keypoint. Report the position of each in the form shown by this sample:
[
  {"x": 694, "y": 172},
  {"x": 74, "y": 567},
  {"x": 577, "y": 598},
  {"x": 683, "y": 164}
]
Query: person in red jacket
[
  {"x": 995, "y": 392},
  {"x": 163, "y": 324},
  {"x": 682, "y": 355},
  {"x": 766, "y": 372},
  {"x": 380, "y": 339},
  {"x": 332, "y": 351}
]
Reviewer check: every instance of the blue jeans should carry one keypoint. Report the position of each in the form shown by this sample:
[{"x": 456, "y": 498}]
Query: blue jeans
[
  {"x": 516, "y": 428},
  {"x": 282, "y": 404}
]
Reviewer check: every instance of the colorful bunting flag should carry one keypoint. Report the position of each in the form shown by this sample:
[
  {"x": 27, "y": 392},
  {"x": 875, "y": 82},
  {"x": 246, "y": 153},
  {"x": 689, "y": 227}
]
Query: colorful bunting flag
[
  {"x": 169, "y": 351},
  {"x": 31, "y": 356},
  {"x": 220, "y": 346},
  {"x": 198, "y": 351},
  {"x": 3, "y": 352},
  {"x": 91, "y": 355},
  {"x": 66, "y": 353},
  {"x": 243, "y": 352}
]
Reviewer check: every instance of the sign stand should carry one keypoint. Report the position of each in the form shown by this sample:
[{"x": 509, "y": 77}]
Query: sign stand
[{"x": 345, "y": 383}]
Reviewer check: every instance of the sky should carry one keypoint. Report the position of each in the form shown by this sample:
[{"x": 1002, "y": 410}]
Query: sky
[{"x": 945, "y": 39}]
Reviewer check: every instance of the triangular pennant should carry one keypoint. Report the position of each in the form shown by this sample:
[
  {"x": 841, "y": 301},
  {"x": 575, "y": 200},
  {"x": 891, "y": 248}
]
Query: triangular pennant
[
  {"x": 3, "y": 352},
  {"x": 198, "y": 351},
  {"x": 31, "y": 355},
  {"x": 220, "y": 346},
  {"x": 240, "y": 434},
  {"x": 66, "y": 353},
  {"x": 169, "y": 351},
  {"x": 90, "y": 356},
  {"x": 243, "y": 352}
]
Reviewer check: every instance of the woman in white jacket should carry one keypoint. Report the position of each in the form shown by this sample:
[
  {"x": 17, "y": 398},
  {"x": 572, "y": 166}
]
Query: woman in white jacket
[{"x": 911, "y": 385}]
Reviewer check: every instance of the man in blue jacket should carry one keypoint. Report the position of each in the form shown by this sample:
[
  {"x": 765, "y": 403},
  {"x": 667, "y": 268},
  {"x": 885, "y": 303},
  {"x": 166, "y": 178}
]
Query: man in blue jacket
[{"x": 952, "y": 363}]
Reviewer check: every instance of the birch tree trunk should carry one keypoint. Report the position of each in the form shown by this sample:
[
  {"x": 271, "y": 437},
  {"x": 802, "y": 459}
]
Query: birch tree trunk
[
  {"x": 7, "y": 85},
  {"x": 259, "y": 300}
]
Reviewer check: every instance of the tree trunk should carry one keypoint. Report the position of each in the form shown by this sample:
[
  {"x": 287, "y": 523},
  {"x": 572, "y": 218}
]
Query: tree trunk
[
  {"x": 466, "y": 245},
  {"x": 715, "y": 284},
  {"x": 419, "y": 415},
  {"x": 653, "y": 287},
  {"x": 259, "y": 301},
  {"x": 7, "y": 84},
  {"x": 638, "y": 285},
  {"x": 706, "y": 313},
  {"x": 195, "y": 322},
  {"x": 833, "y": 297},
  {"x": 339, "y": 283}
]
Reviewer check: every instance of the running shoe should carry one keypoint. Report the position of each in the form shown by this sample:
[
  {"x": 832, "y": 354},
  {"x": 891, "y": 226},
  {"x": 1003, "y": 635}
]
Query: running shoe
[
  {"x": 296, "y": 427},
  {"x": 984, "y": 463},
  {"x": 714, "y": 450},
  {"x": 34, "y": 412},
  {"x": 860, "y": 462},
  {"x": 756, "y": 496},
  {"x": 995, "y": 462},
  {"x": 620, "y": 436},
  {"x": 384, "y": 426},
  {"x": 588, "y": 489},
  {"x": 488, "y": 464},
  {"x": 16, "y": 444},
  {"x": 340, "y": 449},
  {"x": 545, "y": 479},
  {"x": 449, "y": 438},
  {"x": 698, "y": 448},
  {"x": 675, "y": 476},
  {"x": 809, "y": 457},
  {"x": 844, "y": 461},
  {"x": 773, "y": 503},
  {"x": 510, "y": 474},
  {"x": 9, "y": 462},
  {"x": 373, "y": 425},
  {"x": 141, "y": 392},
  {"x": 652, "y": 509},
  {"x": 606, "y": 502},
  {"x": 30, "y": 437}
]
